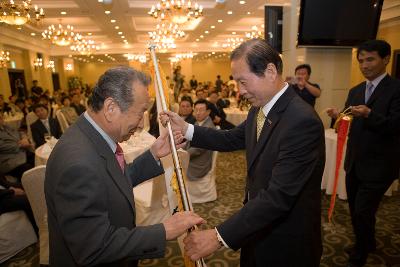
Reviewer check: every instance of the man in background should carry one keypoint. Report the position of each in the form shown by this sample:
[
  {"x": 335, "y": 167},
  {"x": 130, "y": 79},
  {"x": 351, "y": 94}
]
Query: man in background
[
  {"x": 307, "y": 90},
  {"x": 186, "y": 109},
  {"x": 88, "y": 184},
  {"x": 372, "y": 157},
  {"x": 45, "y": 125}
]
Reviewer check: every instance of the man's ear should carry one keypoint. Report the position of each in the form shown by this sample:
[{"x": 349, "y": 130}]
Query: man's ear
[
  {"x": 110, "y": 109},
  {"x": 386, "y": 60},
  {"x": 271, "y": 72}
]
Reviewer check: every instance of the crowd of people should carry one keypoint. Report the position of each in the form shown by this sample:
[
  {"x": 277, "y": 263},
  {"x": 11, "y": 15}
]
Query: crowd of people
[{"x": 88, "y": 185}]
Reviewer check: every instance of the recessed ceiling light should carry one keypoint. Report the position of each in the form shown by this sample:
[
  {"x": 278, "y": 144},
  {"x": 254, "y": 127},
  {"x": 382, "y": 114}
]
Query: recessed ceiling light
[
  {"x": 248, "y": 13},
  {"x": 197, "y": 40},
  {"x": 229, "y": 12},
  {"x": 207, "y": 32},
  {"x": 108, "y": 12},
  {"x": 19, "y": 28},
  {"x": 89, "y": 33},
  {"x": 116, "y": 27},
  {"x": 242, "y": 2},
  {"x": 213, "y": 53},
  {"x": 120, "y": 33},
  {"x": 113, "y": 21},
  {"x": 100, "y": 1},
  {"x": 123, "y": 37},
  {"x": 33, "y": 34},
  {"x": 63, "y": 13},
  {"x": 220, "y": 20},
  {"x": 201, "y": 36},
  {"x": 212, "y": 27},
  {"x": 233, "y": 33}
]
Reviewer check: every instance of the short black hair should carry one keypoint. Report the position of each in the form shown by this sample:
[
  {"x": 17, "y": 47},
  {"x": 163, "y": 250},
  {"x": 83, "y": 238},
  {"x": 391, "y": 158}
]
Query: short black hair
[
  {"x": 187, "y": 99},
  {"x": 304, "y": 66},
  {"x": 36, "y": 106},
  {"x": 65, "y": 97},
  {"x": 203, "y": 101},
  {"x": 258, "y": 54},
  {"x": 382, "y": 47}
]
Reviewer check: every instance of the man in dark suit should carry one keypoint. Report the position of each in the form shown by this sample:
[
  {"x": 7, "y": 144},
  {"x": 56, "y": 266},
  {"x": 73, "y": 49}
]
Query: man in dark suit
[
  {"x": 217, "y": 111},
  {"x": 373, "y": 147},
  {"x": 88, "y": 185},
  {"x": 280, "y": 223},
  {"x": 186, "y": 109},
  {"x": 45, "y": 124}
]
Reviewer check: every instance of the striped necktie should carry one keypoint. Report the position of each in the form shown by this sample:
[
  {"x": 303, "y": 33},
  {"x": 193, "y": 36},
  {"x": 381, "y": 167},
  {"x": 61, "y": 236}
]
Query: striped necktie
[
  {"x": 260, "y": 122},
  {"x": 368, "y": 91}
]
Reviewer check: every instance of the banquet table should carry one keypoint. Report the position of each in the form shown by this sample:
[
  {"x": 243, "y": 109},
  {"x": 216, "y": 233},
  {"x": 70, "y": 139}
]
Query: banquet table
[
  {"x": 329, "y": 172},
  {"x": 151, "y": 197},
  {"x": 235, "y": 115},
  {"x": 13, "y": 121}
]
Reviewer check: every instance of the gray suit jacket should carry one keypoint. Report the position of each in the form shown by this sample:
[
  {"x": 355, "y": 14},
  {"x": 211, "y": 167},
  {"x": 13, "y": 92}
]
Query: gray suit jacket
[
  {"x": 11, "y": 155},
  {"x": 91, "y": 210},
  {"x": 200, "y": 159}
]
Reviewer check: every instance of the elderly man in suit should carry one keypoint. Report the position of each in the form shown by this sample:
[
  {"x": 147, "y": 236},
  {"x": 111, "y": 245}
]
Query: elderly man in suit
[
  {"x": 373, "y": 147},
  {"x": 44, "y": 125},
  {"x": 88, "y": 185},
  {"x": 15, "y": 155},
  {"x": 200, "y": 159},
  {"x": 280, "y": 223}
]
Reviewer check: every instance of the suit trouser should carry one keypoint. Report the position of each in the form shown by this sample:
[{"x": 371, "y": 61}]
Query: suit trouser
[{"x": 364, "y": 198}]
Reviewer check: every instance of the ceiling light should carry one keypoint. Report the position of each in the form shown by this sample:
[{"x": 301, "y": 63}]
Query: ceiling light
[
  {"x": 177, "y": 11},
  {"x": 213, "y": 53},
  {"x": 233, "y": 33},
  {"x": 197, "y": 40},
  {"x": 89, "y": 33},
  {"x": 212, "y": 27},
  {"x": 61, "y": 35},
  {"x": 201, "y": 36},
  {"x": 248, "y": 12},
  {"x": 120, "y": 33},
  {"x": 20, "y": 13},
  {"x": 242, "y": 2},
  {"x": 113, "y": 21},
  {"x": 207, "y": 32},
  {"x": 229, "y": 12},
  {"x": 108, "y": 12},
  {"x": 63, "y": 13},
  {"x": 220, "y": 20},
  {"x": 33, "y": 34},
  {"x": 123, "y": 37},
  {"x": 116, "y": 27}
]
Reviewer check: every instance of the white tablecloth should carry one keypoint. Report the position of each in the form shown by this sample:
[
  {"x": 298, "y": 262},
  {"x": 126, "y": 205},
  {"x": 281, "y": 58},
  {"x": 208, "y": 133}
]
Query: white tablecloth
[
  {"x": 329, "y": 172},
  {"x": 235, "y": 115},
  {"x": 14, "y": 121}
]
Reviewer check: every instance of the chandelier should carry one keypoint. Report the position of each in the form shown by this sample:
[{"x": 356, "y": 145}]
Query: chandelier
[
  {"x": 166, "y": 31},
  {"x": 51, "y": 66},
  {"x": 85, "y": 47},
  {"x": 4, "y": 59},
  {"x": 233, "y": 42},
  {"x": 138, "y": 57},
  {"x": 177, "y": 11},
  {"x": 18, "y": 14},
  {"x": 179, "y": 57},
  {"x": 256, "y": 32},
  {"x": 61, "y": 35}
]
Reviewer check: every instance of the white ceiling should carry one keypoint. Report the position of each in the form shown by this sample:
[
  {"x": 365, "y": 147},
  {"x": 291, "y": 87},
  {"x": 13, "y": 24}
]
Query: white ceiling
[{"x": 87, "y": 16}]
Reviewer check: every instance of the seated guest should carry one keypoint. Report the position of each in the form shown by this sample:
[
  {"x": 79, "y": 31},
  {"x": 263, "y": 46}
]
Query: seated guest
[
  {"x": 44, "y": 125},
  {"x": 200, "y": 159},
  {"x": 13, "y": 198},
  {"x": 69, "y": 112},
  {"x": 201, "y": 94},
  {"x": 76, "y": 104},
  {"x": 186, "y": 109},
  {"x": 15, "y": 157},
  {"x": 217, "y": 112}
]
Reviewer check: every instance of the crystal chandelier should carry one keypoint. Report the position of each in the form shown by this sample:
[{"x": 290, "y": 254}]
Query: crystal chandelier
[
  {"x": 61, "y": 35},
  {"x": 166, "y": 31},
  {"x": 256, "y": 32},
  {"x": 233, "y": 42},
  {"x": 18, "y": 14},
  {"x": 4, "y": 59},
  {"x": 177, "y": 11},
  {"x": 138, "y": 57},
  {"x": 85, "y": 47}
]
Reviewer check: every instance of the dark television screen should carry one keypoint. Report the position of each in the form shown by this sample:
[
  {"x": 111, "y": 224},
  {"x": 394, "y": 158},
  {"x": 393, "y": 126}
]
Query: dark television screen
[{"x": 338, "y": 22}]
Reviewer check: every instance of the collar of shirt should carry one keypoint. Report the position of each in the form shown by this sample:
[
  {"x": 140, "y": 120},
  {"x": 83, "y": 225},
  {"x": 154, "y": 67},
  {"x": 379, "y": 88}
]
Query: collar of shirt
[
  {"x": 200, "y": 123},
  {"x": 106, "y": 137},
  {"x": 377, "y": 80},
  {"x": 272, "y": 102}
]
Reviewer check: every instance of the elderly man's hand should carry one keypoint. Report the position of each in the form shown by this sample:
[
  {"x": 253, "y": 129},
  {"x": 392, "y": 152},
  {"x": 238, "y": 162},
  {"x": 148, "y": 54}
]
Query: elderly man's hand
[
  {"x": 360, "y": 111},
  {"x": 180, "y": 222},
  {"x": 161, "y": 147}
]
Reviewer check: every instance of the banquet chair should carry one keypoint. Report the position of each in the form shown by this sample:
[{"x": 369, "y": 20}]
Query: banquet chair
[
  {"x": 62, "y": 121},
  {"x": 33, "y": 183},
  {"x": 31, "y": 117},
  {"x": 204, "y": 189}
]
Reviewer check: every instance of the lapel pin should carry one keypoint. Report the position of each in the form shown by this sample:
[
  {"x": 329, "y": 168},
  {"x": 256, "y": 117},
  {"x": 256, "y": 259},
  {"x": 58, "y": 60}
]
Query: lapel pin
[{"x": 269, "y": 122}]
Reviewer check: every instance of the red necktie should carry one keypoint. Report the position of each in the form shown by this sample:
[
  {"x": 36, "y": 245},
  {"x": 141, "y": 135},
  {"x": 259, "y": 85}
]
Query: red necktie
[{"x": 119, "y": 155}]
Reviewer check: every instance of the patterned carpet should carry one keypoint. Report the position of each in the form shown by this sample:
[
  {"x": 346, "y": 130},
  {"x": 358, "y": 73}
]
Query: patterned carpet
[{"x": 230, "y": 194}]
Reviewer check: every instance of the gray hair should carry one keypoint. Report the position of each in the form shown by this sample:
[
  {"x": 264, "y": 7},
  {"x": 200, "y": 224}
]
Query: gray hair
[
  {"x": 258, "y": 54},
  {"x": 117, "y": 84}
]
